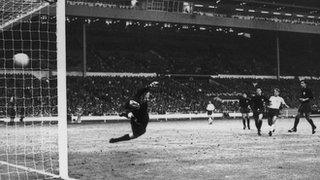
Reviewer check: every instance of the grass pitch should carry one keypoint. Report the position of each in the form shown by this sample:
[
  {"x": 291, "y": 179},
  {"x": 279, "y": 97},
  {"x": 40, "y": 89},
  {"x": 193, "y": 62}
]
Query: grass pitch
[{"x": 195, "y": 150}]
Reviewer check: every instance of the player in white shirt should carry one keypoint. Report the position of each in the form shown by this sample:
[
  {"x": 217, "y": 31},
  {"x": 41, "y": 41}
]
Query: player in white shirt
[
  {"x": 274, "y": 109},
  {"x": 210, "y": 108}
]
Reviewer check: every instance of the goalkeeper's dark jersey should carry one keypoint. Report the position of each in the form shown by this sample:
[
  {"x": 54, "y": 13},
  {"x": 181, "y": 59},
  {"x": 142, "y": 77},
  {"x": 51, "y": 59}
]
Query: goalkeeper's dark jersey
[{"x": 142, "y": 113}]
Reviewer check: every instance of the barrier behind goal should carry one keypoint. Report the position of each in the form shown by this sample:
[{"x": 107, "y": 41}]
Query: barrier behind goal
[{"x": 287, "y": 113}]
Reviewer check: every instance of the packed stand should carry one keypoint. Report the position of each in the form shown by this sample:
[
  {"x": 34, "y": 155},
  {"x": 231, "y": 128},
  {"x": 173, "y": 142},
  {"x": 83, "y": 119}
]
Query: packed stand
[
  {"x": 28, "y": 95},
  {"x": 106, "y": 95}
]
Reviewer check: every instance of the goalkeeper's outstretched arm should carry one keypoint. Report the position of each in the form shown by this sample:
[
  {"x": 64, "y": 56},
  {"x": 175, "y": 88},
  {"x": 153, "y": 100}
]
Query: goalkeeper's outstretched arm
[{"x": 146, "y": 89}]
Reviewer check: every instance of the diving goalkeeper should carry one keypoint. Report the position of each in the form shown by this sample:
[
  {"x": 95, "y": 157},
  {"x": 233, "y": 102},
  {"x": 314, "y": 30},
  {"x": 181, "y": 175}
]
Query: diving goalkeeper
[{"x": 136, "y": 110}]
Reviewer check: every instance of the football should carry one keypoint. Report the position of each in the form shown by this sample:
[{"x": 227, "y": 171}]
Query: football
[{"x": 21, "y": 59}]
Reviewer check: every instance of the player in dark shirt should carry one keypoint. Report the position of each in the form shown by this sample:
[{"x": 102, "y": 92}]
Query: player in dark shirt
[
  {"x": 305, "y": 96},
  {"x": 137, "y": 111},
  {"x": 258, "y": 105},
  {"x": 244, "y": 103}
]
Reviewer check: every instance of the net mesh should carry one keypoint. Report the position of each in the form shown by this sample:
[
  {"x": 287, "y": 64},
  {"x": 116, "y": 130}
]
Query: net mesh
[{"x": 28, "y": 94}]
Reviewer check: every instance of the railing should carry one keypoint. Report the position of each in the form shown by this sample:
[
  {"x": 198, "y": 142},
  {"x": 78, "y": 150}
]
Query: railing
[{"x": 288, "y": 113}]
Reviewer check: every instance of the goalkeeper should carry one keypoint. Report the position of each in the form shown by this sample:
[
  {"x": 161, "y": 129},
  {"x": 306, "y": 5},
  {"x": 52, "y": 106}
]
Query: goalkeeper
[{"x": 137, "y": 111}]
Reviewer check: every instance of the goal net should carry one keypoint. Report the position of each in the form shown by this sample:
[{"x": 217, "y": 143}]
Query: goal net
[{"x": 30, "y": 125}]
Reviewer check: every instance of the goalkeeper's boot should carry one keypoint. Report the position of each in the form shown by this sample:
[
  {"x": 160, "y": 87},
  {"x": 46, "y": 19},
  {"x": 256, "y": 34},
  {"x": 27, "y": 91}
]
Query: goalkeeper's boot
[
  {"x": 112, "y": 140},
  {"x": 314, "y": 129},
  {"x": 292, "y": 130}
]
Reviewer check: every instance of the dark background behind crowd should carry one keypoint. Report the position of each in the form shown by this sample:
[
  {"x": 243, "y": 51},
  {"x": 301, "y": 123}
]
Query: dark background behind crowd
[{"x": 192, "y": 52}]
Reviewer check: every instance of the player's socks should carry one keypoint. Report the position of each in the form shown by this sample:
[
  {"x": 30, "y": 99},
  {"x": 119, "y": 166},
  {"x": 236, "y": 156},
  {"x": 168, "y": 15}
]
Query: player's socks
[
  {"x": 257, "y": 123},
  {"x": 244, "y": 123},
  {"x": 248, "y": 123},
  {"x": 122, "y": 138},
  {"x": 272, "y": 128},
  {"x": 260, "y": 124},
  {"x": 296, "y": 122},
  {"x": 210, "y": 120},
  {"x": 259, "y": 132},
  {"x": 314, "y": 129},
  {"x": 312, "y": 125},
  {"x": 259, "y": 127}
]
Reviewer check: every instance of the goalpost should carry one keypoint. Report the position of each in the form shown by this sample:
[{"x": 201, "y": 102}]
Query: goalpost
[{"x": 33, "y": 100}]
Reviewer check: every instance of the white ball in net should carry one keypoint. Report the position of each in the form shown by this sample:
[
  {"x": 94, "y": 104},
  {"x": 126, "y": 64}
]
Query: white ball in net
[{"x": 21, "y": 59}]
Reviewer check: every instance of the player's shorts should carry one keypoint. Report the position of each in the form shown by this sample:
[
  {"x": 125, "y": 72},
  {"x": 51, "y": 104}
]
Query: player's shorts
[
  {"x": 209, "y": 113},
  {"x": 244, "y": 110},
  {"x": 137, "y": 128},
  {"x": 257, "y": 112},
  {"x": 305, "y": 108},
  {"x": 273, "y": 112}
]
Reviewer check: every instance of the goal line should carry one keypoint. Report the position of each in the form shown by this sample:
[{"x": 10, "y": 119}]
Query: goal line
[{"x": 33, "y": 170}]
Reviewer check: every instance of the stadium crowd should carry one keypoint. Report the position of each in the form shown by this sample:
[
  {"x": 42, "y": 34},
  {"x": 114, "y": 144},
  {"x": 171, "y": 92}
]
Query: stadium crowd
[
  {"x": 27, "y": 95},
  {"x": 137, "y": 47},
  {"x": 103, "y": 95},
  {"x": 106, "y": 95}
]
